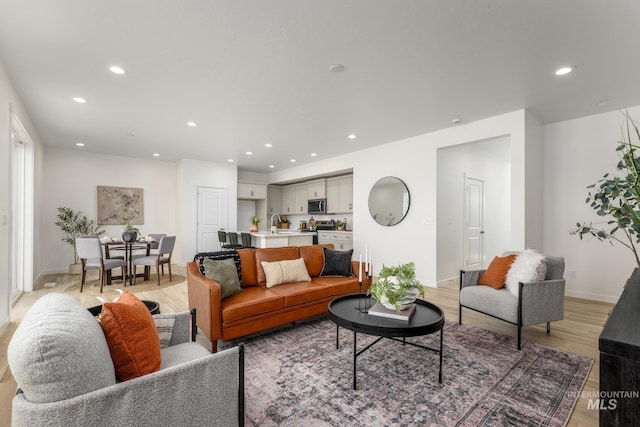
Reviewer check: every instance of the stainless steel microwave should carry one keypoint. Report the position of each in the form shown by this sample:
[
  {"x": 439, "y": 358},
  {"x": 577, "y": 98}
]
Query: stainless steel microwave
[{"x": 317, "y": 206}]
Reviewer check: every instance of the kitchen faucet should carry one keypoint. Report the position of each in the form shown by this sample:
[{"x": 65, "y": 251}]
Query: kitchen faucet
[{"x": 274, "y": 226}]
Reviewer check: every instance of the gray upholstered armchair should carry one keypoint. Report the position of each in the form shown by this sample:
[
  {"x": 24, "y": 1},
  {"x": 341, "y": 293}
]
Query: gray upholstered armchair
[
  {"x": 61, "y": 362},
  {"x": 536, "y": 302}
]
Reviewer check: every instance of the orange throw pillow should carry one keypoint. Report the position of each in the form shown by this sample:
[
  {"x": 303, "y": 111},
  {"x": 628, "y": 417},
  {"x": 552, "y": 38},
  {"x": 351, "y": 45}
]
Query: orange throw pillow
[
  {"x": 496, "y": 273},
  {"x": 132, "y": 337}
]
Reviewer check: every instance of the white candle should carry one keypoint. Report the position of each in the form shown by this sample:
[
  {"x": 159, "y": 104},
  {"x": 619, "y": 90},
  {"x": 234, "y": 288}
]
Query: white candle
[
  {"x": 360, "y": 269},
  {"x": 366, "y": 251},
  {"x": 371, "y": 262}
]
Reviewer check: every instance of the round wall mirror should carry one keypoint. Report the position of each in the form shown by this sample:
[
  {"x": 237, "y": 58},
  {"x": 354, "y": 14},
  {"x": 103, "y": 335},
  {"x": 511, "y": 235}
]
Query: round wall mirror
[{"x": 389, "y": 201}]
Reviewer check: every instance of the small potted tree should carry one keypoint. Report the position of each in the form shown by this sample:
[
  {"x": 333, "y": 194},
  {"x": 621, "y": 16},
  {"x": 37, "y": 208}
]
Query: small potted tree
[{"x": 75, "y": 224}]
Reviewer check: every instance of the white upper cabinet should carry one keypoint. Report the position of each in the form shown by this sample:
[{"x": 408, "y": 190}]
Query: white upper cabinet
[
  {"x": 340, "y": 194},
  {"x": 288, "y": 199},
  {"x": 274, "y": 199},
  {"x": 252, "y": 191},
  {"x": 316, "y": 189}
]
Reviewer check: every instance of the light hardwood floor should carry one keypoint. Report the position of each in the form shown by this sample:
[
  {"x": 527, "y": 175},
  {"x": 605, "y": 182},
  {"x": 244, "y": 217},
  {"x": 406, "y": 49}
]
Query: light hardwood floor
[{"x": 577, "y": 333}]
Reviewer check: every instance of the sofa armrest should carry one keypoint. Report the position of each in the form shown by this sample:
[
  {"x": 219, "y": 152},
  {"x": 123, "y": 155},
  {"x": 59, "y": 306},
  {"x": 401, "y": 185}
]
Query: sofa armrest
[
  {"x": 542, "y": 301},
  {"x": 203, "y": 391},
  {"x": 470, "y": 277},
  {"x": 204, "y": 296}
]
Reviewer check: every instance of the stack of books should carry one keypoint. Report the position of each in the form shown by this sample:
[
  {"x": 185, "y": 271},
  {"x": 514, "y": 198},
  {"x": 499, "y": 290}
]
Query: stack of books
[{"x": 381, "y": 311}]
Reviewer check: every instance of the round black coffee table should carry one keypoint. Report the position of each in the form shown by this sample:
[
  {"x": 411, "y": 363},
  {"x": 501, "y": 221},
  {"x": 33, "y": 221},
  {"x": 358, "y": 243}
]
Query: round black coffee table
[{"x": 427, "y": 319}]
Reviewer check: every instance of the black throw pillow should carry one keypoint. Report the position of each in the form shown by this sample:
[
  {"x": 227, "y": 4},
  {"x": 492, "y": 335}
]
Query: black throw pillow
[{"x": 337, "y": 263}]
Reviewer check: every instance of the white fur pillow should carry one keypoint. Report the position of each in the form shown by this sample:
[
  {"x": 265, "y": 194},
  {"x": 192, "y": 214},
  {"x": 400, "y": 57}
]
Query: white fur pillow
[{"x": 529, "y": 266}]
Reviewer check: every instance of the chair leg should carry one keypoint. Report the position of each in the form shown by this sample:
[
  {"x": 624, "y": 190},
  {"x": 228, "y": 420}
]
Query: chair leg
[
  {"x": 101, "y": 279},
  {"x": 459, "y": 315},
  {"x": 548, "y": 327},
  {"x": 158, "y": 273},
  {"x": 519, "y": 337},
  {"x": 170, "y": 278},
  {"x": 84, "y": 272}
]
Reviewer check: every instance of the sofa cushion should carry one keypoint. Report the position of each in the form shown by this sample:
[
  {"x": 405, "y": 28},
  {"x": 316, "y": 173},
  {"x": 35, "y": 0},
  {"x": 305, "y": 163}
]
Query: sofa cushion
[
  {"x": 220, "y": 255},
  {"x": 271, "y": 255},
  {"x": 287, "y": 271},
  {"x": 182, "y": 353},
  {"x": 337, "y": 263},
  {"x": 132, "y": 337},
  {"x": 224, "y": 272},
  {"x": 302, "y": 292},
  {"x": 59, "y": 351},
  {"x": 339, "y": 285},
  {"x": 529, "y": 266},
  {"x": 499, "y": 303},
  {"x": 313, "y": 256},
  {"x": 496, "y": 273},
  {"x": 251, "y": 302}
]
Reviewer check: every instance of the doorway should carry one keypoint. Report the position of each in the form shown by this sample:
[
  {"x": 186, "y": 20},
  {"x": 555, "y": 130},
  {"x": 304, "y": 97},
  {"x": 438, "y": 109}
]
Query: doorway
[
  {"x": 212, "y": 216},
  {"x": 473, "y": 223},
  {"x": 22, "y": 199}
]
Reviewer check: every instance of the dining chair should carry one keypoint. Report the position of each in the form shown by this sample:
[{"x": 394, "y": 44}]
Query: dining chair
[
  {"x": 222, "y": 238},
  {"x": 165, "y": 249},
  {"x": 92, "y": 257}
]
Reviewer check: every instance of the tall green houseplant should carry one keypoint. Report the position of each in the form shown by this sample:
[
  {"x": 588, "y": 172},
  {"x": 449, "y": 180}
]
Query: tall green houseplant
[
  {"x": 74, "y": 224},
  {"x": 616, "y": 197}
]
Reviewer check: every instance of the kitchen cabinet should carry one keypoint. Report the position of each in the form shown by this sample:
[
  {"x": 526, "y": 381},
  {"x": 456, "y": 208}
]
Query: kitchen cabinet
[
  {"x": 252, "y": 191},
  {"x": 316, "y": 189},
  {"x": 339, "y": 191},
  {"x": 294, "y": 199},
  {"x": 341, "y": 240},
  {"x": 274, "y": 199}
]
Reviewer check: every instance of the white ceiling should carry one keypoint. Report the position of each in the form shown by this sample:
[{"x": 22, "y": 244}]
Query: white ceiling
[{"x": 251, "y": 72}]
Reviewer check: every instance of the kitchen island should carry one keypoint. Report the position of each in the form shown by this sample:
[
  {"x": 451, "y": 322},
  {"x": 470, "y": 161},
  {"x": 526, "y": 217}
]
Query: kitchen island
[{"x": 266, "y": 239}]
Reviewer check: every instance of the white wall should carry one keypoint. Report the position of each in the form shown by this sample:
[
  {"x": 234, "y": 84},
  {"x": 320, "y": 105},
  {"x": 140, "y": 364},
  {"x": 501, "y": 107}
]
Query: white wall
[
  {"x": 577, "y": 153},
  {"x": 193, "y": 174},
  {"x": 414, "y": 160},
  {"x": 10, "y": 103},
  {"x": 489, "y": 161},
  {"x": 71, "y": 180}
]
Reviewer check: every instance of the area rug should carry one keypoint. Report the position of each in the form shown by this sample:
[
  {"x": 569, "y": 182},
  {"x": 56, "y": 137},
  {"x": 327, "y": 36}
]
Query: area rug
[
  {"x": 297, "y": 377},
  {"x": 92, "y": 287}
]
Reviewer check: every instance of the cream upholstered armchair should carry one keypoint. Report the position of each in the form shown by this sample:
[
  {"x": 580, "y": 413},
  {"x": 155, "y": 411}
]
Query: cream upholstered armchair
[{"x": 527, "y": 303}]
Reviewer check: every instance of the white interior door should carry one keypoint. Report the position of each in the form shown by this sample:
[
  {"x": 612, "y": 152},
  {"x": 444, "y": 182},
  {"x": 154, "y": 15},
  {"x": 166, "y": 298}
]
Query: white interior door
[
  {"x": 212, "y": 216},
  {"x": 473, "y": 224}
]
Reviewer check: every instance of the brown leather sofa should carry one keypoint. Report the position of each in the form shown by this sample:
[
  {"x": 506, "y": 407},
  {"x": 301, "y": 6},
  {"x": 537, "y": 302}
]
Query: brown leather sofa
[{"x": 257, "y": 307}]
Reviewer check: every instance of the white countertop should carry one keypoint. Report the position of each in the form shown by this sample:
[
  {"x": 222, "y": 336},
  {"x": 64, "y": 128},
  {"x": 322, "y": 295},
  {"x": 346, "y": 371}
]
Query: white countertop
[{"x": 283, "y": 233}]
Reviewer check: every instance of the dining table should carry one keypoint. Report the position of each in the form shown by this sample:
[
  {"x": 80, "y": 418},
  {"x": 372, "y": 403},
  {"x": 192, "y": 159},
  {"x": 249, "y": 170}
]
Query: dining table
[{"x": 128, "y": 248}]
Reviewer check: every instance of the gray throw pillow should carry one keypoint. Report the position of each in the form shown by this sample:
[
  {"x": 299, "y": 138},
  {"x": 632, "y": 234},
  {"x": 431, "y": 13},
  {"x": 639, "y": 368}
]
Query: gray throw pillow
[
  {"x": 337, "y": 263},
  {"x": 225, "y": 273}
]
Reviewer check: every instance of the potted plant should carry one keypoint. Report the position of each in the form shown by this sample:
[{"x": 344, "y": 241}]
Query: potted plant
[
  {"x": 397, "y": 287},
  {"x": 130, "y": 233},
  {"x": 340, "y": 225},
  {"x": 254, "y": 220},
  {"x": 74, "y": 224},
  {"x": 284, "y": 222},
  {"x": 617, "y": 197}
]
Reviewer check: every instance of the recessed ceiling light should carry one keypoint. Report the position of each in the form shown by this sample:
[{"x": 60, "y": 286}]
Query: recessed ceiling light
[
  {"x": 248, "y": 153},
  {"x": 116, "y": 70},
  {"x": 293, "y": 160},
  {"x": 602, "y": 102},
  {"x": 337, "y": 68},
  {"x": 313, "y": 154},
  {"x": 268, "y": 145},
  {"x": 456, "y": 121},
  {"x": 156, "y": 155},
  {"x": 230, "y": 160},
  {"x": 563, "y": 71},
  {"x": 80, "y": 144},
  {"x": 192, "y": 124},
  {"x": 271, "y": 166},
  {"x": 351, "y": 136},
  {"x": 80, "y": 100}
]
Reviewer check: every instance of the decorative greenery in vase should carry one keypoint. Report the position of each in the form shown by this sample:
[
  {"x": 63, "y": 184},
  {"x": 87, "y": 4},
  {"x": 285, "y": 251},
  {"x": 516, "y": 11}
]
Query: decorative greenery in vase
[
  {"x": 75, "y": 224},
  {"x": 397, "y": 287},
  {"x": 130, "y": 232},
  {"x": 254, "y": 220},
  {"x": 340, "y": 225},
  {"x": 618, "y": 197}
]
